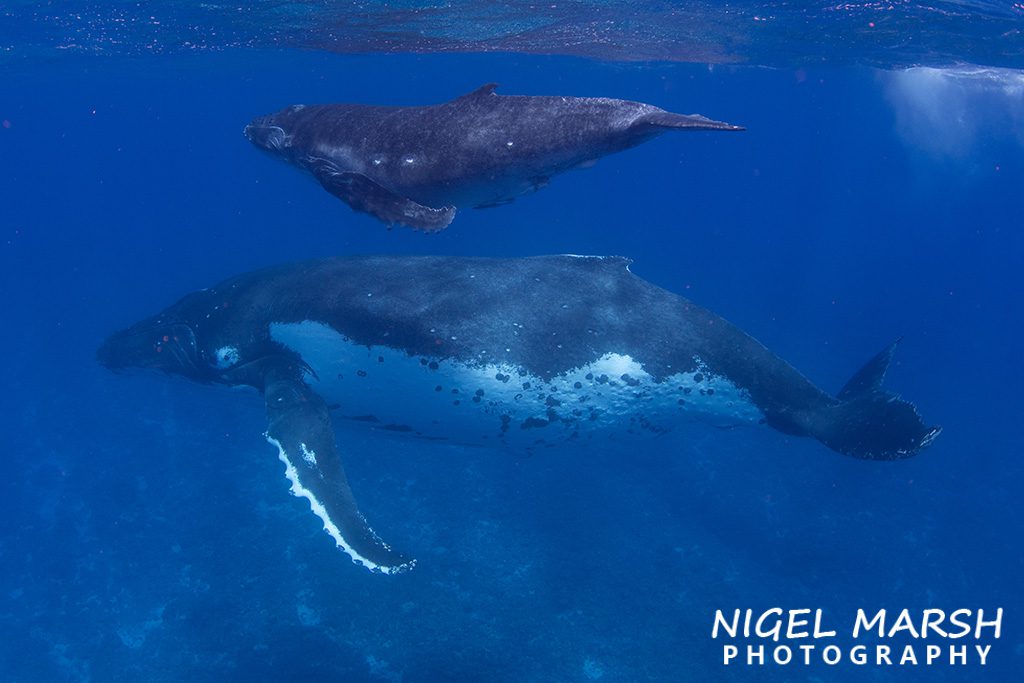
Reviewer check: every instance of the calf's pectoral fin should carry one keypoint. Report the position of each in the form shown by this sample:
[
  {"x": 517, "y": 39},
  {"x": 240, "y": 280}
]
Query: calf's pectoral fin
[
  {"x": 300, "y": 427},
  {"x": 367, "y": 196}
]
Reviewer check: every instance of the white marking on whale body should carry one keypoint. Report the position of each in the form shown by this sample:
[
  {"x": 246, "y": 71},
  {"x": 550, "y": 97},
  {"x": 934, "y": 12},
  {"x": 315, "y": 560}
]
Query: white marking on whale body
[
  {"x": 500, "y": 402},
  {"x": 226, "y": 357},
  {"x": 297, "y": 489},
  {"x": 308, "y": 455}
]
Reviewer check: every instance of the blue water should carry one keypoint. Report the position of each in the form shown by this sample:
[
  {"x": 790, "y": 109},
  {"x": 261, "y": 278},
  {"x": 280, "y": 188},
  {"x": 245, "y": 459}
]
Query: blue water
[{"x": 147, "y": 532}]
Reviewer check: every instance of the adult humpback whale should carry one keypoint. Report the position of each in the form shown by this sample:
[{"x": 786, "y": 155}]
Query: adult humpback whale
[
  {"x": 414, "y": 165},
  {"x": 526, "y": 352}
]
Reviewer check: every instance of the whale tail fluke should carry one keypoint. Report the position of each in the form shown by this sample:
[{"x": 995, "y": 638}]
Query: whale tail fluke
[
  {"x": 871, "y": 423},
  {"x": 666, "y": 119},
  {"x": 877, "y": 426}
]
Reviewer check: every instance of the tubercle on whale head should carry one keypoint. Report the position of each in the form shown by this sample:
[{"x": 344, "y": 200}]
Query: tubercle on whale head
[
  {"x": 270, "y": 132},
  {"x": 168, "y": 345}
]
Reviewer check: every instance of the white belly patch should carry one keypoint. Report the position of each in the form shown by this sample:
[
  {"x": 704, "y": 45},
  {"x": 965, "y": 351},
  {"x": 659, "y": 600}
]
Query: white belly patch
[{"x": 387, "y": 389}]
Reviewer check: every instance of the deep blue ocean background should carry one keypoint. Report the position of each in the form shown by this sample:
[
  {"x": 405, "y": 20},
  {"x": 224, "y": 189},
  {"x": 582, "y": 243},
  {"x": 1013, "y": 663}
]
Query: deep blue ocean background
[{"x": 146, "y": 531}]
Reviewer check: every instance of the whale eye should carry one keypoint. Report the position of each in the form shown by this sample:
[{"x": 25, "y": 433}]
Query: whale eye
[{"x": 226, "y": 357}]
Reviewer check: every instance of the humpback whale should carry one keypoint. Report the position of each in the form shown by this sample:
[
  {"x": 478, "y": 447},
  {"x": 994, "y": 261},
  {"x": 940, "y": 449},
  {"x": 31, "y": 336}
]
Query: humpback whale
[
  {"x": 521, "y": 352},
  {"x": 414, "y": 165}
]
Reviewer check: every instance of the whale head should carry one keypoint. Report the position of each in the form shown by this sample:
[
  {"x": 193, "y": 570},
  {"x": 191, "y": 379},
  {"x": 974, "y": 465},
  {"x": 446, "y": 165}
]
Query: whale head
[
  {"x": 196, "y": 338},
  {"x": 157, "y": 343},
  {"x": 180, "y": 340},
  {"x": 270, "y": 132}
]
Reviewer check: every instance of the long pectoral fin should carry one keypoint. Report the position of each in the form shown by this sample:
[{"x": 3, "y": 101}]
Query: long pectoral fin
[
  {"x": 300, "y": 427},
  {"x": 363, "y": 194}
]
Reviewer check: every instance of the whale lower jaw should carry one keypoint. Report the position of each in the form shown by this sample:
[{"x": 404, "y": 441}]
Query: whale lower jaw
[{"x": 500, "y": 403}]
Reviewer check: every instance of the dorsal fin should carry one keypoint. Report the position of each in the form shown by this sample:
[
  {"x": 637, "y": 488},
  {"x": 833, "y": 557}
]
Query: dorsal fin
[{"x": 483, "y": 91}]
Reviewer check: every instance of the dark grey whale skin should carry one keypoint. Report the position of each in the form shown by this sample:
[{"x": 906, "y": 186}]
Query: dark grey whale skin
[
  {"x": 415, "y": 165},
  {"x": 447, "y": 308}
]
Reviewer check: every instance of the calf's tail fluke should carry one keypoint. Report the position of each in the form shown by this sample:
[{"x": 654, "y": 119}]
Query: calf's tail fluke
[
  {"x": 869, "y": 422},
  {"x": 666, "y": 119}
]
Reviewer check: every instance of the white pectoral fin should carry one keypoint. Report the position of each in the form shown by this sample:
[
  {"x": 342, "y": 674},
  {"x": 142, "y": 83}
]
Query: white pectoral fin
[{"x": 300, "y": 427}]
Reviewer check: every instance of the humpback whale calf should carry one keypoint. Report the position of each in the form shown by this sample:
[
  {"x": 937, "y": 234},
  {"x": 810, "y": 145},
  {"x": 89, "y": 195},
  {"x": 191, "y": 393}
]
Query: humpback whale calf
[
  {"x": 522, "y": 352},
  {"x": 414, "y": 165}
]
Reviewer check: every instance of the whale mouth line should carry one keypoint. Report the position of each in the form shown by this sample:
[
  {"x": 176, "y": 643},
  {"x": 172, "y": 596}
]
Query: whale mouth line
[{"x": 267, "y": 136}]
